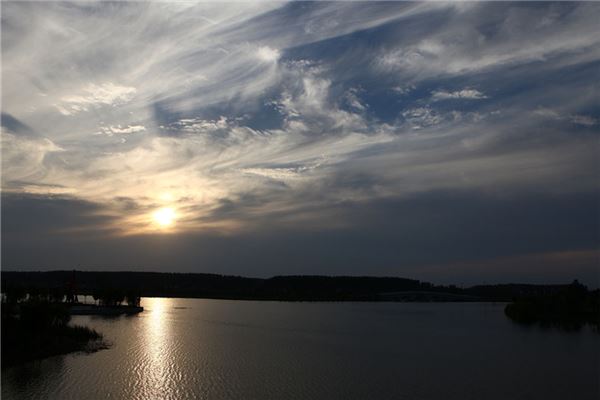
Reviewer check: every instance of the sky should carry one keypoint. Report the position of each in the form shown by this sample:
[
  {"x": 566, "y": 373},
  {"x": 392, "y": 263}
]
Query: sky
[{"x": 449, "y": 142}]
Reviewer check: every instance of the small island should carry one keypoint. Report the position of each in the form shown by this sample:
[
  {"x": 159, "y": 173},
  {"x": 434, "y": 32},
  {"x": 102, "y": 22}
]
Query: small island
[
  {"x": 571, "y": 307},
  {"x": 35, "y": 322},
  {"x": 34, "y": 329}
]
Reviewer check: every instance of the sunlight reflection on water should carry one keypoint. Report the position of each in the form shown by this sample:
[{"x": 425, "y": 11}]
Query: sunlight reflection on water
[{"x": 156, "y": 375}]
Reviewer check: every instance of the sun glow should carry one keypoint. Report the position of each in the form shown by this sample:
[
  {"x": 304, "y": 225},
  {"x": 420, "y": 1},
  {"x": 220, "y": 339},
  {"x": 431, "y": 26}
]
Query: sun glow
[{"x": 164, "y": 217}]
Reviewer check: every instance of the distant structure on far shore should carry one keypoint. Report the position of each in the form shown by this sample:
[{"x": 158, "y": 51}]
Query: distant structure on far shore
[{"x": 71, "y": 289}]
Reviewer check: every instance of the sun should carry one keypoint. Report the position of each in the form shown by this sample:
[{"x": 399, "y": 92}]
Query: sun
[{"x": 164, "y": 217}]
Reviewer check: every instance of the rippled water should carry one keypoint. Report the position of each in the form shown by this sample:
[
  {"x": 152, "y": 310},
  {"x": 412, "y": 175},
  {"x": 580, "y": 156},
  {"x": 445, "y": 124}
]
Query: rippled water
[{"x": 212, "y": 349}]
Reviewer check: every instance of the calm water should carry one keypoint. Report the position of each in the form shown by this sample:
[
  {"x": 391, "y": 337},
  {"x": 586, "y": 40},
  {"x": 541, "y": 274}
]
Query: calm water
[{"x": 212, "y": 349}]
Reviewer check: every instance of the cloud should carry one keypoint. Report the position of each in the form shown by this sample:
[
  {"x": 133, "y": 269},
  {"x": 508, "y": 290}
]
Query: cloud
[
  {"x": 443, "y": 236},
  {"x": 199, "y": 125},
  {"x": 307, "y": 106},
  {"x": 26, "y": 158},
  {"x": 422, "y": 117},
  {"x": 351, "y": 97},
  {"x": 107, "y": 94},
  {"x": 469, "y": 94},
  {"x": 111, "y": 130},
  {"x": 577, "y": 119},
  {"x": 548, "y": 113},
  {"x": 402, "y": 90},
  {"x": 276, "y": 174},
  {"x": 584, "y": 120},
  {"x": 507, "y": 39},
  {"x": 52, "y": 214},
  {"x": 268, "y": 54}
]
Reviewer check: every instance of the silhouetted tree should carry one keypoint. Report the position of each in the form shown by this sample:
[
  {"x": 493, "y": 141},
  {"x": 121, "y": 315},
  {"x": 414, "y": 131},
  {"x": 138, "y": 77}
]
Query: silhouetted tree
[
  {"x": 110, "y": 297},
  {"x": 96, "y": 296},
  {"x": 15, "y": 294},
  {"x": 57, "y": 295},
  {"x": 133, "y": 299}
]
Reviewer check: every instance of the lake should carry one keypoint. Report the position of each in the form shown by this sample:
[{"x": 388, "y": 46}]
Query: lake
[{"x": 217, "y": 349}]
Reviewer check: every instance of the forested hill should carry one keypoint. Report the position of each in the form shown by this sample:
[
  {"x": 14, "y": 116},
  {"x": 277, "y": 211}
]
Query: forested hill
[{"x": 293, "y": 288}]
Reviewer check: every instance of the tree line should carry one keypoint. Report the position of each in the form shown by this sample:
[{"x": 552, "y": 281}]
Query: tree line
[{"x": 13, "y": 294}]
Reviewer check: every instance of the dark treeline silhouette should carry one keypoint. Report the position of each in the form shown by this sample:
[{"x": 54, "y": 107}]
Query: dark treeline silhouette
[
  {"x": 113, "y": 288},
  {"x": 570, "y": 307},
  {"x": 115, "y": 297},
  {"x": 15, "y": 293}
]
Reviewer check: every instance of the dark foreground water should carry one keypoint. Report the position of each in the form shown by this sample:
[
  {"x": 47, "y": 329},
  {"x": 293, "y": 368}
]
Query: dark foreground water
[{"x": 212, "y": 349}]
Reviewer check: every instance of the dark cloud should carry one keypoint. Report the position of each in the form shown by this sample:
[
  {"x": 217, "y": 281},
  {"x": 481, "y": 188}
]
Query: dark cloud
[
  {"x": 27, "y": 217},
  {"x": 126, "y": 204},
  {"x": 391, "y": 237}
]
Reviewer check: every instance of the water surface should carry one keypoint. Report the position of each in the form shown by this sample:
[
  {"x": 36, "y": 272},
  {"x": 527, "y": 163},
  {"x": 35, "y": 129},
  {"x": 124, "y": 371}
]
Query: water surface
[{"x": 215, "y": 349}]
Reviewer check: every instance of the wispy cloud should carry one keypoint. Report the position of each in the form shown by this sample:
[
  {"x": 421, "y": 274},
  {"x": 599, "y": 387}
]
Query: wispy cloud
[
  {"x": 584, "y": 120},
  {"x": 469, "y": 94},
  {"x": 106, "y": 94},
  {"x": 112, "y": 130},
  {"x": 459, "y": 47},
  {"x": 577, "y": 119}
]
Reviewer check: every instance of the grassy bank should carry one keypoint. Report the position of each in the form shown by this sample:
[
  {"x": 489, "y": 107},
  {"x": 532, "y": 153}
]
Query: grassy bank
[{"x": 34, "y": 330}]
